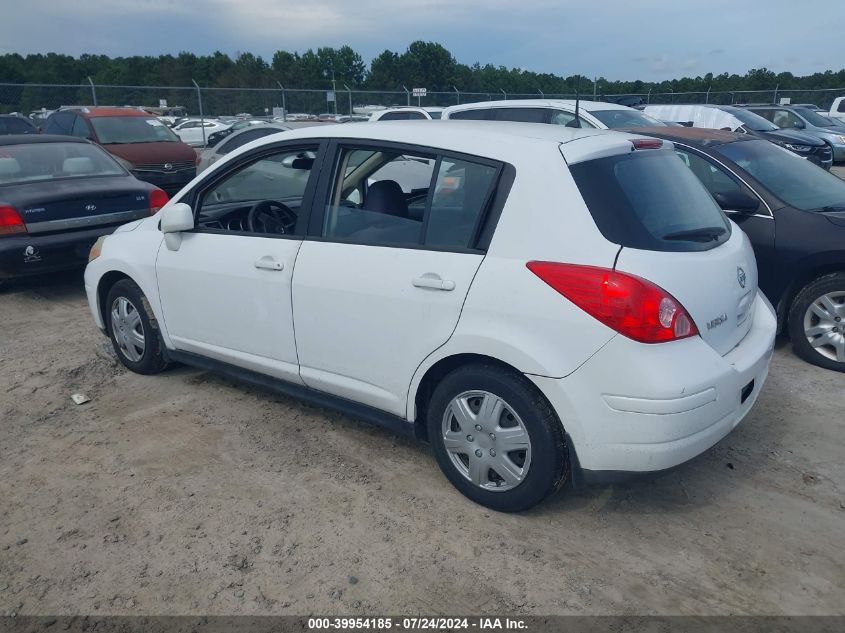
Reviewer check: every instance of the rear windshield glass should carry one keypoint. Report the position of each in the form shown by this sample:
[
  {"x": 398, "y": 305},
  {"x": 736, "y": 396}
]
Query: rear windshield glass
[
  {"x": 615, "y": 119},
  {"x": 794, "y": 180},
  {"x": 46, "y": 161},
  {"x": 649, "y": 199},
  {"x": 131, "y": 129}
]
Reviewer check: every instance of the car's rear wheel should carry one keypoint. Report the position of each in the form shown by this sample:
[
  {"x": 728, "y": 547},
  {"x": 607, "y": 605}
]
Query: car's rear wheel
[
  {"x": 496, "y": 437},
  {"x": 817, "y": 322},
  {"x": 133, "y": 329}
]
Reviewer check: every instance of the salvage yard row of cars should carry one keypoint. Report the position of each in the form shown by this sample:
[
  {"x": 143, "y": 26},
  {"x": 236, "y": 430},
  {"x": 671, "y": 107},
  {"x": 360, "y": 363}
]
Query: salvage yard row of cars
[{"x": 542, "y": 303}]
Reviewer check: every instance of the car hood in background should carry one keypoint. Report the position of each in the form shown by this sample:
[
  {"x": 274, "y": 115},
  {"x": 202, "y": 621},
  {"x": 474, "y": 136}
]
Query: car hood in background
[
  {"x": 792, "y": 136},
  {"x": 157, "y": 152}
]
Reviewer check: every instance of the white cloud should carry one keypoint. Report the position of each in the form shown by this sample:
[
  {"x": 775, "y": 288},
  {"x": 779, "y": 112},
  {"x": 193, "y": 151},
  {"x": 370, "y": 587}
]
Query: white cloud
[{"x": 648, "y": 39}]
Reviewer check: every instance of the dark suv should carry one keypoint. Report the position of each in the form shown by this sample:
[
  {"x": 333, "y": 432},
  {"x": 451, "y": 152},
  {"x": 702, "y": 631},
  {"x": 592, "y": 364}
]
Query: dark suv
[{"x": 141, "y": 142}]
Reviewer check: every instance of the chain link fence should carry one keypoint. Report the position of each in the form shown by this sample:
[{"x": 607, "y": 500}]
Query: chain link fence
[{"x": 38, "y": 100}]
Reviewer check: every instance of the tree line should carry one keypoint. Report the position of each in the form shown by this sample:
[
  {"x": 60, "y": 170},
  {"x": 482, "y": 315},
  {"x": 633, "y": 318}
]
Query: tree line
[{"x": 422, "y": 64}]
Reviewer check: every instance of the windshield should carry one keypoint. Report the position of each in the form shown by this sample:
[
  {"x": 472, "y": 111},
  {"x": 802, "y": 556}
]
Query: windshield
[
  {"x": 47, "y": 161},
  {"x": 615, "y": 119},
  {"x": 813, "y": 118},
  {"x": 131, "y": 129},
  {"x": 794, "y": 180},
  {"x": 753, "y": 122},
  {"x": 649, "y": 199},
  {"x": 831, "y": 122}
]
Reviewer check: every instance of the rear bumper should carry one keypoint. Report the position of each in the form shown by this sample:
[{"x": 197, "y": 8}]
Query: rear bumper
[
  {"x": 33, "y": 254},
  {"x": 169, "y": 181},
  {"x": 634, "y": 408}
]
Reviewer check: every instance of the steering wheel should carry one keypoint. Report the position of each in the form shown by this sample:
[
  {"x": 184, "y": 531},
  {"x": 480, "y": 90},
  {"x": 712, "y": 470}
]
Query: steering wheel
[{"x": 271, "y": 216}]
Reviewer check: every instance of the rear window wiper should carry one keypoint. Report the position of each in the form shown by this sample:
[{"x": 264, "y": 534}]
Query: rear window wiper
[{"x": 703, "y": 234}]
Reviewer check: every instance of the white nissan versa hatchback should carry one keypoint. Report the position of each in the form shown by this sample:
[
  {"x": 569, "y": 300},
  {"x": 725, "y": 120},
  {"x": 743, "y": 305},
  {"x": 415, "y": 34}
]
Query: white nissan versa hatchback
[{"x": 550, "y": 304}]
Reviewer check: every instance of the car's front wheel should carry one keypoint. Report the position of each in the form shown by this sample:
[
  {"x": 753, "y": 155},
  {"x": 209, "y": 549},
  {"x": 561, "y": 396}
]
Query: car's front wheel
[
  {"x": 817, "y": 322},
  {"x": 134, "y": 337},
  {"x": 496, "y": 438}
]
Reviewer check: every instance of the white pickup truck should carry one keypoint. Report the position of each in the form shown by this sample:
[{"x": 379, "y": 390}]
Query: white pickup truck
[{"x": 837, "y": 110}]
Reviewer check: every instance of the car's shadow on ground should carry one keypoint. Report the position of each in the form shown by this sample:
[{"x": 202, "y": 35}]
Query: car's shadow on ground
[
  {"x": 67, "y": 284},
  {"x": 687, "y": 488},
  {"x": 696, "y": 483},
  {"x": 684, "y": 489}
]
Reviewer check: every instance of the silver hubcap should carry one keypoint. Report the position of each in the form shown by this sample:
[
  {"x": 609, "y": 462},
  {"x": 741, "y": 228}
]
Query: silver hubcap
[
  {"x": 127, "y": 328},
  {"x": 824, "y": 325},
  {"x": 486, "y": 441}
]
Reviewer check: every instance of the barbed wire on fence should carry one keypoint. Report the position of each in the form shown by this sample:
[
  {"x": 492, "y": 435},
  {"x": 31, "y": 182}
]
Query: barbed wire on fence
[{"x": 266, "y": 101}]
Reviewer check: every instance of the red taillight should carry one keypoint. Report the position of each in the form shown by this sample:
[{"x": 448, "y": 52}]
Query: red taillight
[
  {"x": 647, "y": 143},
  {"x": 626, "y": 303},
  {"x": 158, "y": 199},
  {"x": 10, "y": 220}
]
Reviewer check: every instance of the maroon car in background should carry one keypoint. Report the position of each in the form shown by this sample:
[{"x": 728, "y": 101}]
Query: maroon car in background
[{"x": 141, "y": 142}]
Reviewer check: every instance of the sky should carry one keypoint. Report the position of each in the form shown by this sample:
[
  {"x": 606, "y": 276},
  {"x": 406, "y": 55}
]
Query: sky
[{"x": 650, "y": 40}]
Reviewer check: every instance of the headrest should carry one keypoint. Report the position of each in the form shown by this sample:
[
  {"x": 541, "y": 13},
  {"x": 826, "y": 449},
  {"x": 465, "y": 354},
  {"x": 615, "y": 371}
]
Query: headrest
[
  {"x": 385, "y": 196},
  {"x": 9, "y": 166},
  {"x": 78, "y": 165}
]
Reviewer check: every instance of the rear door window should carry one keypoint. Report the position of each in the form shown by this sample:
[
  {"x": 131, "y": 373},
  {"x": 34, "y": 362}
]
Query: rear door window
[
  {"x": 567, "y": 119},
  {"x": 384, "y": 197},
  {"x": 524, "y": 115},
  {"x": 470, "y": 115},
  {"x": 402, "y": 116},
  {"x": 648, "y": 199},
  {"x": 712, "y": 177}
]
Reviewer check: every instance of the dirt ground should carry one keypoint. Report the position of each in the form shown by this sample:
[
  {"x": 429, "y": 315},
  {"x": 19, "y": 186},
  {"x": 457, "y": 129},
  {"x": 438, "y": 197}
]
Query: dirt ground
[{"x": 186, "y": 493}]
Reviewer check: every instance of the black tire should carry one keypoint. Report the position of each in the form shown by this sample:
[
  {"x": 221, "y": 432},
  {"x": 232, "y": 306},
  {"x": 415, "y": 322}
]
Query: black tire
[
  {"x": 833, "y": 283},
  {"x": 549, "y": 464},
  {"x": 152, "y": 360}
]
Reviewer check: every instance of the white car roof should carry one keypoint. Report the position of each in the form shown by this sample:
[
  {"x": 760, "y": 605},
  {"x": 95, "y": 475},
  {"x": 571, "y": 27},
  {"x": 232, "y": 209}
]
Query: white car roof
[
  {"x": 499, "y": 140},
  {"x": 589, "y": 106},
  {"x": 701, "y": 115}
]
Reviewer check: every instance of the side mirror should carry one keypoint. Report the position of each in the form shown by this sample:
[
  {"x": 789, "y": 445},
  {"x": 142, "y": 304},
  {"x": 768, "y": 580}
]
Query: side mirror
[
  {"x": 176, "y": 218},
  {"x": 799, "y": 125},
  {"x": 736, "y": 201}
]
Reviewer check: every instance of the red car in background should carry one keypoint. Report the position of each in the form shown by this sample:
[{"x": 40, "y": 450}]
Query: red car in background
[{"x": 141, "y": 142}]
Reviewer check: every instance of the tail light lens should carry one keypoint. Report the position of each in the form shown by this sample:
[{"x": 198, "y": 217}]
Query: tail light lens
[
  {"x": 626, "y": 303},
  {"x": 158, "y": 199},
  {"x": 647, "y": 143},
  {"x": 11, "y": 221}
]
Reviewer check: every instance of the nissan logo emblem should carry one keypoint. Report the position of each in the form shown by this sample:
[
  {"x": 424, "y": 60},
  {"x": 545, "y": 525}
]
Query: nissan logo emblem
[{"x": 168, "y": 166}]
